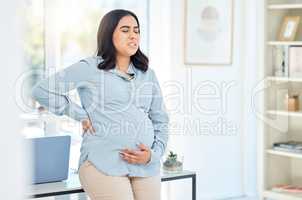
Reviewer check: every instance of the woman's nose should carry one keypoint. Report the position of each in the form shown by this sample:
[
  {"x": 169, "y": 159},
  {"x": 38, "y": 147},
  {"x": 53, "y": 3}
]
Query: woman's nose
[{"x": 133, "y": 35}]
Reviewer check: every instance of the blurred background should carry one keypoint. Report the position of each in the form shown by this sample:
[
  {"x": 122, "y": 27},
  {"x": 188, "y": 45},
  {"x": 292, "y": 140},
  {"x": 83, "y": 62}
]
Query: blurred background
[{"x": 40, "y": 37}]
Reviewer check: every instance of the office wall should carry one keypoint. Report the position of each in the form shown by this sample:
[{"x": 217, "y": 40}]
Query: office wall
[
  {"x": 252, "y": 37},
  {"x": 225, "y": 163},
  {"x": 11, "y": 167}
]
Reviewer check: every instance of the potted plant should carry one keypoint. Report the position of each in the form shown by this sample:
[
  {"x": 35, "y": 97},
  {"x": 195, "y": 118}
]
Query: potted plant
[{"x": 172, "y": 164}]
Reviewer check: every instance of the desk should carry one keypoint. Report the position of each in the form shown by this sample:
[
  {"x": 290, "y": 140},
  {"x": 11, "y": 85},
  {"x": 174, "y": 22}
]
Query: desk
[{"x": 72, "y": 185}]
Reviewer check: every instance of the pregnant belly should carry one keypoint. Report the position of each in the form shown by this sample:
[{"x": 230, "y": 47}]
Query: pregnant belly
[{"x": 125, "y": 129}]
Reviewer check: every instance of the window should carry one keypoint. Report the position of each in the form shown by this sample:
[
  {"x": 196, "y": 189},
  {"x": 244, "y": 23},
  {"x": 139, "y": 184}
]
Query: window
[
  {"x": 34, "y": 64},
  {"x": 33, "y": 44}
]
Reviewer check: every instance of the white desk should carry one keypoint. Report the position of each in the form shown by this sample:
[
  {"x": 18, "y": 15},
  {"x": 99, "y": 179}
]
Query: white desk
[{"x": 72, "y": 185}]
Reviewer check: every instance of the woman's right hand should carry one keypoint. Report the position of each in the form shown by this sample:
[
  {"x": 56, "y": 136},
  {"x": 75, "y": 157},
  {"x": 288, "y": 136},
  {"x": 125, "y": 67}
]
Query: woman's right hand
[{"x": 87, "y": 127}]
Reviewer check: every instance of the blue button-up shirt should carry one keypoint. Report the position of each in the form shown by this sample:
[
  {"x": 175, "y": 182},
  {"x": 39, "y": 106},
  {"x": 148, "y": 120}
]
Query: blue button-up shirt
[{"x": 124, "y": 109}]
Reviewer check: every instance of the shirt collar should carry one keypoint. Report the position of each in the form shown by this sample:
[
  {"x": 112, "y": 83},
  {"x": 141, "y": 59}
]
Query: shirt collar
[
  {"x": 131, "y": 69},
  {"x": 131, "y": 74}
]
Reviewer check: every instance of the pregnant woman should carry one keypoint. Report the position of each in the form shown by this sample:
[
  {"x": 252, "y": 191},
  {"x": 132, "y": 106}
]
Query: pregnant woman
[{"x": 122, "y": 113}]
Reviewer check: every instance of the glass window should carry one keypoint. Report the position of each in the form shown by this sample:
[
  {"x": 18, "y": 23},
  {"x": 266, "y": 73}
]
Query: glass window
[
  {"x": 33, "y": 45},
  {"x": 34, "y": 65},
  {"x": 79, "y": 26}
]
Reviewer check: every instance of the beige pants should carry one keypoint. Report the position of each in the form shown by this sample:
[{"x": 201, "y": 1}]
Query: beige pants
[{"x": 99, "y": 186}]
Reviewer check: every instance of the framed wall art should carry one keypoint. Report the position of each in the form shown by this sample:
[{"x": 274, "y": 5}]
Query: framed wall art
[
  {"x": 208, "y": 32},
  {"x": 289, "y": 28}
]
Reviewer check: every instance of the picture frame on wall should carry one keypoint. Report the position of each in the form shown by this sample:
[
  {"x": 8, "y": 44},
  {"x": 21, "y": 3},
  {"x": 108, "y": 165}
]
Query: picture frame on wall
[
  {"x": 289, "y": 28},
  {"x": 208, "y": 34}
]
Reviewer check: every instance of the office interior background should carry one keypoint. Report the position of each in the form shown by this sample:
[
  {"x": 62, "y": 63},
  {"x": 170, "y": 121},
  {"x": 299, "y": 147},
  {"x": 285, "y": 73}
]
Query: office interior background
[{"x": 215, "y": 109}]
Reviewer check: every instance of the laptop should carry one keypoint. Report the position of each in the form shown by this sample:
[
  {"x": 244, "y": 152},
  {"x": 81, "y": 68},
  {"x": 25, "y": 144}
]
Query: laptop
[{"x": 50, "y": 157}]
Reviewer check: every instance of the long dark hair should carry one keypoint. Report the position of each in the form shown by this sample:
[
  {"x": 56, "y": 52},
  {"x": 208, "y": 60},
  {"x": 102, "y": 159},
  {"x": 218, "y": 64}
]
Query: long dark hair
[{"x": 106, "y": 49}]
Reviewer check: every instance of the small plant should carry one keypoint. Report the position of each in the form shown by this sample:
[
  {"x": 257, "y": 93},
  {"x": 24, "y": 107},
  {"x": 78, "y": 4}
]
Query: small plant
[
  {"x": 171, "y": 159},
  {"x": 171, "y": 163}
]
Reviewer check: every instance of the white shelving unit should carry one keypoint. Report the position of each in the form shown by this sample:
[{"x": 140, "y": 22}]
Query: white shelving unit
[
  {"x": 283, "y": 79},
  {"x": 285, "y": 113},
  {"x": 285, "y": 6},
  {"x": 282, "y": 43},
  {"x": 280, "y": 196},
  {"x": 279, "y": 124},
  {"x": 286, "y": 154}
]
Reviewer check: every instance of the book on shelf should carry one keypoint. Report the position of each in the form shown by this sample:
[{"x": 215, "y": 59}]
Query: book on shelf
[
  {"x": 295, "y": 61},
  {"x": 287, "y": 150},
  {"x": 280, "y": 61},
  {"x": 290, "y": 146}
]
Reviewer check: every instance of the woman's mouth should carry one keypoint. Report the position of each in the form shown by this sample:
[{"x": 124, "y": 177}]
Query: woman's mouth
[{"x": 132, "y": 44}]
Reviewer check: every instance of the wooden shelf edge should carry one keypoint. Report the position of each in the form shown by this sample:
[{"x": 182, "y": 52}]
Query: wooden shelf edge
[
  {"x": 283, "y": 79},
  {"x": 284, "y": 43},
  {"x": 281, "y": 196},
  {"x": 284, "y": 153},
  {"x": 284, "y": 6},
  {"x": 284, "y": 113}
]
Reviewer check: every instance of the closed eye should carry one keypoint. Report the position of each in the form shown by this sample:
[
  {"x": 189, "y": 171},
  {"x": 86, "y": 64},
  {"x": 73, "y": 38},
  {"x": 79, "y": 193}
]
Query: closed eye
[
  {"x": 136, "y": 30},
  {"x": 126, "y": 29}
]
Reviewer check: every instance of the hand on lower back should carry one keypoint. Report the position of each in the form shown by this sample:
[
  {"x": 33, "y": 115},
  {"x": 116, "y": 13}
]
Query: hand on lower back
[{"x": 87, "y": 127}]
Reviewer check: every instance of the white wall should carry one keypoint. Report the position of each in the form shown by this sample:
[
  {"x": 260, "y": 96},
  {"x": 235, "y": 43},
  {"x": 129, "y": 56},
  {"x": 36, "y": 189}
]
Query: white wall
[
  {"x": 11, "y": 168},
  {"x": 253, "y": 25},
  {"x": 225, "y": 164}
]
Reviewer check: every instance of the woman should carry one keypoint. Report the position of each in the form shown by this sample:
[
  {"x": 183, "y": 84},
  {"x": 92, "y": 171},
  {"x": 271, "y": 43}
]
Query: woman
[{"x": 122, "y": 113}]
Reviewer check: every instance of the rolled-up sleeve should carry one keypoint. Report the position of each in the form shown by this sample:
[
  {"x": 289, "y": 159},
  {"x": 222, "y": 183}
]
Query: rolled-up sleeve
[
  {"x": 52, "y": 92},
  {"x": 160, "y": 121}
]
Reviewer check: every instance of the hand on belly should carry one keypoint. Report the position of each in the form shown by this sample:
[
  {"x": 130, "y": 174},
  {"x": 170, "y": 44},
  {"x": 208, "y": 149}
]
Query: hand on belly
[{"x": 142, "y": 155}]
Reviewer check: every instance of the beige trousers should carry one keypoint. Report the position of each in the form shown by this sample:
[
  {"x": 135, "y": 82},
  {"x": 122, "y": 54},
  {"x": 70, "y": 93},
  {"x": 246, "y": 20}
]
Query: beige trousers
[{"x": 99, "y": 186}]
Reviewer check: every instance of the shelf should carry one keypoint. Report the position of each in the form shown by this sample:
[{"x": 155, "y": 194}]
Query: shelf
[
  {"x": 283, "y": 79},
  {"x": 284, "y": 6},
  {"x": 277, "y": 166},
  {"x": 283, "y": 153},
  {"x": 284, "y": 43},
  {"x": 281, "y": 196},
  {"x": 285, "y": 113}
]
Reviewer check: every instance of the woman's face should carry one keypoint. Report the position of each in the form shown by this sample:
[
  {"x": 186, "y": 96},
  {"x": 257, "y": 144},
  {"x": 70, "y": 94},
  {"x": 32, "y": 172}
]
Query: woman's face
[{"x": 126, "y": 36}]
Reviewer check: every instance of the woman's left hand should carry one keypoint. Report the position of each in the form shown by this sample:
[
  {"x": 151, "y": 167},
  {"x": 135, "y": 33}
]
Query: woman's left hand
[{"x": 140, "y": 156}]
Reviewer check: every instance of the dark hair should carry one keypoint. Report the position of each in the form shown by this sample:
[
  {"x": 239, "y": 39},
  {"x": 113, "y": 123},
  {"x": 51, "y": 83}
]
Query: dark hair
[{"x": 105, "y": 46}]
